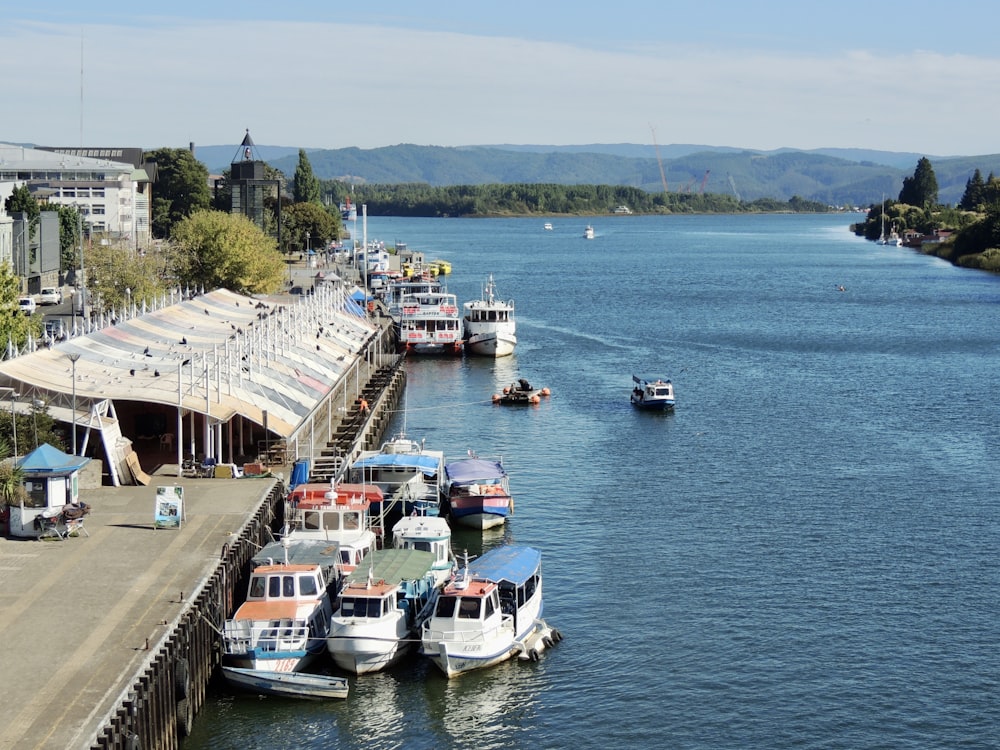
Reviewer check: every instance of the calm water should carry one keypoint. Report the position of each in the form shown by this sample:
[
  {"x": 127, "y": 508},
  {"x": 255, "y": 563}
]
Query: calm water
[{"x": 803, "y": 555}]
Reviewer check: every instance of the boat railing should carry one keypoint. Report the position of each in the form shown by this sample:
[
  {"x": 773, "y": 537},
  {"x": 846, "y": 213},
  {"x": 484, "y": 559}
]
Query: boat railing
[
  {"x": 239, "y": 636},
  {"x": 467, "y": 636}
]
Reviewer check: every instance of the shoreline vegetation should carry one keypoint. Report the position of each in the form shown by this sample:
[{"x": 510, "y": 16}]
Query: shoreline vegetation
[{"x": 546, "y": 199}]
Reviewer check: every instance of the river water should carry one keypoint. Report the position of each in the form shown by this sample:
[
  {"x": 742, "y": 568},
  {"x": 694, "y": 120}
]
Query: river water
[{"x": 803, "y": 555}]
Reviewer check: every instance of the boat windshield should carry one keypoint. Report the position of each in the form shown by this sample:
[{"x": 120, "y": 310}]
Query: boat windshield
[{"x": 361, "y": 606}]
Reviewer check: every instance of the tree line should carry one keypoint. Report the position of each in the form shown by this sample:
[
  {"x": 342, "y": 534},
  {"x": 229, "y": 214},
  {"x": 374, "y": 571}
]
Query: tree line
[
  {"x": 972, "y": 227},
  {"x": 530, "y": 199}
]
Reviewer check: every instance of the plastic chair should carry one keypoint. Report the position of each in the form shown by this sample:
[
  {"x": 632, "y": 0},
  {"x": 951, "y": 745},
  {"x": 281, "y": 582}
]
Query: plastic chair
[{"x": 167, "y": 441}]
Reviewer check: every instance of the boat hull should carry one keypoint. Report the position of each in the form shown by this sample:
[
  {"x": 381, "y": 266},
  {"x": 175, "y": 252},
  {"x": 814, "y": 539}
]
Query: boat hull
[
  {"x": 491, "y": 344},
  {"x": 360, "y": 654},
  {"x": 479, "y": 519},
  {"x": 653, "y": 404},
  {"x": 288, "y": 685}
]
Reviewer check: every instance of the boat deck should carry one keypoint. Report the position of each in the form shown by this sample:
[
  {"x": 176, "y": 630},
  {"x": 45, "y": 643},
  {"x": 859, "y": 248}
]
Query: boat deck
[{"x": 79, "y": 614}]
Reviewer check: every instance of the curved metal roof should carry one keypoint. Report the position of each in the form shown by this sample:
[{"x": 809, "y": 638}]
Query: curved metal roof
[{"x": 219, "y": 354}]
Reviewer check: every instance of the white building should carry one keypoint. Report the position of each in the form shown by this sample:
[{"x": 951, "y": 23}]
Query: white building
[{"x": 107, "y": 185}]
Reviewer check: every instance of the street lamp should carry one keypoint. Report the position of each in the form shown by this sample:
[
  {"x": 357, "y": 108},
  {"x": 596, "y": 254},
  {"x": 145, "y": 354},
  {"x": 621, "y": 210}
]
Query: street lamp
[{"x": 73, "y": 358}]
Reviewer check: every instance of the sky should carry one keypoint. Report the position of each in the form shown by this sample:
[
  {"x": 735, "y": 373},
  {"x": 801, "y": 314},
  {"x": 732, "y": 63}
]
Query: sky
[{"x": 893, "y": 76}]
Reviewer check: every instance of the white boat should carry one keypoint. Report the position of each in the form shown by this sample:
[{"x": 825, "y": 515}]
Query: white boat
[
  {"x": 588, "y": 233},
  {"x": 339, "y": 513},
  {"x": 429, "y": 534},
  {"x": 398, "y": 290},
  {"x": 654, "y": 394},
  {"x": 888, "y": 239},
  {"x": 623, "y": 210},
  {"x": 477, "y": 492},
  {"x": 288, "y": 684},
  {"x": 409, "y": 475},
  {"x": 491, "y": 612},
  {"x": 488, "y": 326},
  {"x": 430, "y": 323},
  {"x": 548, "y": 226},
  {"x": 382, "y": 606},
  {"x": 283, "y": 624}
]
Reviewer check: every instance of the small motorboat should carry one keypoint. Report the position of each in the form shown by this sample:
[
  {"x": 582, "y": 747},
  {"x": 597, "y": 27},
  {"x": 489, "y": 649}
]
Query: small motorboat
[
  {"x": 521, "y": 392},
  {"x": 654, "y": 394},
  {"x": 288, "y": 684},
  {"x": 548, "y": 226},
  {"x": 588, "y": 233}
]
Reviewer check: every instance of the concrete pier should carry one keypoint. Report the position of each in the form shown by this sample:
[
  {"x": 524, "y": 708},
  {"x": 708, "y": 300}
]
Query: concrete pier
[{"x": 82, "y": 617}]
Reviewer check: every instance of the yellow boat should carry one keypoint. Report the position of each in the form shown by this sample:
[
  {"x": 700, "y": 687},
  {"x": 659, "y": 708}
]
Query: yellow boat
[{"x": 443, "y": 266}]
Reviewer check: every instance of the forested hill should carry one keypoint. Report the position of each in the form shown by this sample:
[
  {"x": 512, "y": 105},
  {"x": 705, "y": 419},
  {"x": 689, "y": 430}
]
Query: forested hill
[{"x": 854, "y": 177}]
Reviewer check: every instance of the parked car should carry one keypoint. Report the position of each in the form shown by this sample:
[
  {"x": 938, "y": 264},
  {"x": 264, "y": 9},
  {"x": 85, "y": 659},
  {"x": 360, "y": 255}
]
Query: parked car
[
  {"x": 27, "y": 305},
  {"x": 51, "y": 295}
]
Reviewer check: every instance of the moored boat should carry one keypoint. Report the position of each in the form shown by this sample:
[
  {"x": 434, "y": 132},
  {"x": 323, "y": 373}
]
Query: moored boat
[
  {"x": 488, "y": 326},
  {"x": 288, "y": 684},
  {"x": 654, "y": 394},
  {"x": 339, "y": 513},
  {"x": 409, "y": 475},
  {"x": 430, "y": 534},
  {"x": 491, "y": 612},
  {"x": 283, "y": 624},
  {"x": 430, "y": 323},
  {"x": 477, "y": 492},
  {"x": 382, "y": 606}
]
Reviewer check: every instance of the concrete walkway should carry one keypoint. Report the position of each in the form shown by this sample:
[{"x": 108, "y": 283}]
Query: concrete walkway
[{"x": 78, "y": 615}]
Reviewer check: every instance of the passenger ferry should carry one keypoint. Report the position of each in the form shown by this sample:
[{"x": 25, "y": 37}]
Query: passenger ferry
[
  {"x": 430, "y": 323},
  {"x": 491, "y": 612}
]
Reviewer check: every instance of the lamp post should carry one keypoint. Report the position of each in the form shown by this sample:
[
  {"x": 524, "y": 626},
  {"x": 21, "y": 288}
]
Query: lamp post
[{"x": 73, "y": 358}]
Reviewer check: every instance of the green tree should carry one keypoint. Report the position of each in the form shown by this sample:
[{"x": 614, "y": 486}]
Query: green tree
[
  {"x": 12, "y": 490},
  {"x": 21, "y": 199},
  {"x": 212, "y": 249},
  {"x": 118, "y": 275},
  {"x": 15, "y": 326},
  {"x": 305, "y": 185},
  {"x": 300, "y": 218},
  {"x": 922, "y": 188},
  {"x": 181, "y": 188},
  {"x": 972, "y": 198}
]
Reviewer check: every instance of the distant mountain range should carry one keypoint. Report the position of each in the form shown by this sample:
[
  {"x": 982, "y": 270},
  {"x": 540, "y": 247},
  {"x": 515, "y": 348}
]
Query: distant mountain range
[{"x": 835, "y": 176}]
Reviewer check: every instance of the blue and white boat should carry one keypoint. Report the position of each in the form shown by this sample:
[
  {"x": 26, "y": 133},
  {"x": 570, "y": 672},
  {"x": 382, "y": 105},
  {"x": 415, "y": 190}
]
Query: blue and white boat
[
  {"x": 654, "y": 394},
  {"x": 410, "y": 475},
  {"x": 384, "y": 602},
  {"x": 477, "y": 492},
  {"x": 491, "y": 612},
  {"x": 283, "y": 624}
]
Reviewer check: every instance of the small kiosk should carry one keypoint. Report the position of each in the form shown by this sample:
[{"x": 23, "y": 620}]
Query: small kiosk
[{"x": 52, "y": 484}]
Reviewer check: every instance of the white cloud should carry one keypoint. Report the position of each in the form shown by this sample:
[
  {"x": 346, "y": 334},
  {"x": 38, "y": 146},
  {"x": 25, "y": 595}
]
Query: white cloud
[{"x": 335, "y": 85}]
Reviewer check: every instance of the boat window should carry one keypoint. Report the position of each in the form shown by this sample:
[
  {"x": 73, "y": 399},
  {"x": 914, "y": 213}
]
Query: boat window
[
  {"x": 445, "y": 607},
  {"x": 469, "y": 608},
  {"x": 425, "y": 546},
  {"x": 257, "y": 587},
  {"x": 352, "y": 520},
  {"x": 307, "y": 586},
  {"x": 331, "y": 521},
  {"x": 490, "y": 607},
  {"x": 288, "y": 586},
  {"x": 274, "y": 586},
  {"x": 311, "y": 520}
]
